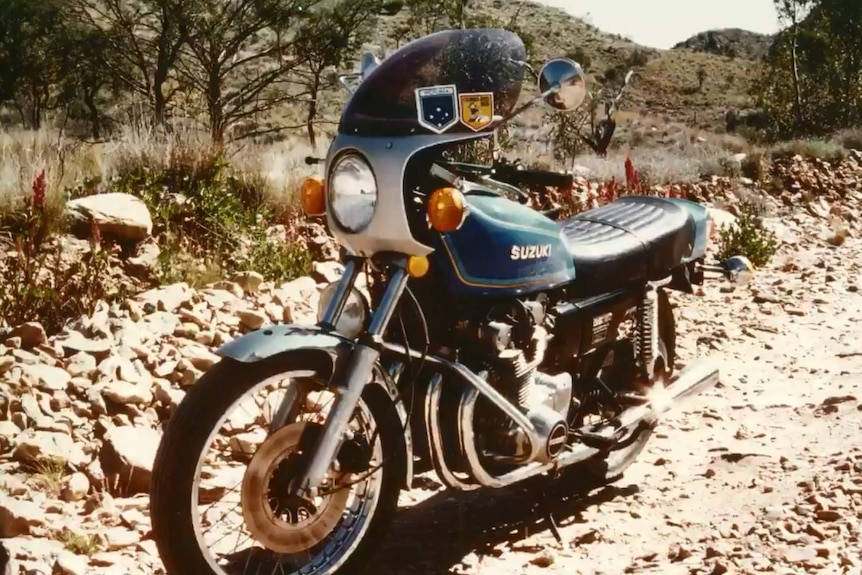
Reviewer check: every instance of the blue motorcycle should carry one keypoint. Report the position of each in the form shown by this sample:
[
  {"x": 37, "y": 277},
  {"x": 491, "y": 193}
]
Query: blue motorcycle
[{"x": 469, "y": 334}]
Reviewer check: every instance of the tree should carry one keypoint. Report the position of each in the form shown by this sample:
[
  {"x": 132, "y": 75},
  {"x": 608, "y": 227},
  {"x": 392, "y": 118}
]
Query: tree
[
  {"x": 791, "y": 12},
  {"x": 327, "y": 40},
  {"x": 701, "y": 77},
  {"x": 144, "y": 38},
  {"x": 88, "y": 74},
  {"x": 239, "y": 56},
  {"x": 31, "y": 61}
]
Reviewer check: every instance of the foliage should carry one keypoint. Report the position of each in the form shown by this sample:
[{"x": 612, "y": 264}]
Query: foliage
[
  {"x": 41, "y": 281},
  {"x": 208, "y": 217},
  {"x": 811, "y": 82},
  {"x": 326, "y": 40},
  {"x": 748, "y": 236}
]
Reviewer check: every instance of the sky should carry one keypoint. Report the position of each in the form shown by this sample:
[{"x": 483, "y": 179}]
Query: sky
[{"x": 663, "y": 23}]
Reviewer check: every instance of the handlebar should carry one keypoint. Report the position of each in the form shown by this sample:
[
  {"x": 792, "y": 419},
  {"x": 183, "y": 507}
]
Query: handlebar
[
  {"x": 512, "y": 175},
  {"x": 311, "y": 160}
]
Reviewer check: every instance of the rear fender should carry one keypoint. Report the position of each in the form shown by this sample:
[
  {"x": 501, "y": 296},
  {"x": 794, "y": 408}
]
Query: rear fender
[{"x": 331, "y": 350}]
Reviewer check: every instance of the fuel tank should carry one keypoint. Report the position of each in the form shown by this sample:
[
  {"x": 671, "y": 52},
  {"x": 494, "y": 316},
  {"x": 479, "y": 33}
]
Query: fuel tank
[{"x": 502, "y": 249}]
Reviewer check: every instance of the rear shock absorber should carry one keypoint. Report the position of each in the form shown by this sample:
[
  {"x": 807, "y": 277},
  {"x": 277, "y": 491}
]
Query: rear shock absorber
[{"x": 647, "y": 331}]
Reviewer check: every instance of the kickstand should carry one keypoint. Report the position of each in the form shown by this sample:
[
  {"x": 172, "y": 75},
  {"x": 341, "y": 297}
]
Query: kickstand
[{"x": 545, "y": 507}]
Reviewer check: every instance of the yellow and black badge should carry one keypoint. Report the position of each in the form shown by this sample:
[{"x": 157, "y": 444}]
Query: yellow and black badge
[{"x": 477, "y": 109}]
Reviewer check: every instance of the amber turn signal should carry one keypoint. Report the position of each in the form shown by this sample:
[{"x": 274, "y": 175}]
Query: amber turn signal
[
  {"x": 446, "y": 209},
  {"x": 312, "y": 197},
  {"x": 417, "y": 266}
]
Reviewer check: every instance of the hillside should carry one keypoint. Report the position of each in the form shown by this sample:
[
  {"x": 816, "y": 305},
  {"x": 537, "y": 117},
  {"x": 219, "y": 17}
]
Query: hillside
[
  {"x": 665, "y": 85},
  {"x": 733, "y": 42}
]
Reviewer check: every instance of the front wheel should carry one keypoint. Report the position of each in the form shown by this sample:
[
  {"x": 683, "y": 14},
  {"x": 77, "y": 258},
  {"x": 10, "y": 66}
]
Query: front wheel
[{"x": 219, "y": 499}]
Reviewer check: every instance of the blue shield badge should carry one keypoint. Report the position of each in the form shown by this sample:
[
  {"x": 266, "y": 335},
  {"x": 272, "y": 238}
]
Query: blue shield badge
[{"x": 437, "y": 107}]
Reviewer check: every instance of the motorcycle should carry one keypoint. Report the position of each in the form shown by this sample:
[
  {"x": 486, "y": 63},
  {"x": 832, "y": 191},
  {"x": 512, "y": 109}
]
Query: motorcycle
[{"x": 469, "y": 334}]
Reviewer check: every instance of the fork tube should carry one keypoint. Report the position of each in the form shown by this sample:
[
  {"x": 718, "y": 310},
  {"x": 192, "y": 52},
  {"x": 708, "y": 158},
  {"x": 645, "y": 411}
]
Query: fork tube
[
  {"x": 345, "y": 284},
  {"x": 349, "y": 384}
]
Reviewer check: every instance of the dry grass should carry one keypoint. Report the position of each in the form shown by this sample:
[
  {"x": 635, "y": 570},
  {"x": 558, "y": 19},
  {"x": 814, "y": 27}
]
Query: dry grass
[{"x": 73, "y": 166}]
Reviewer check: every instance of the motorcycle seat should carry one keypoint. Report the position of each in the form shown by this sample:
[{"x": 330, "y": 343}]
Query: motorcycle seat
[{"x": 631, "y": 240}]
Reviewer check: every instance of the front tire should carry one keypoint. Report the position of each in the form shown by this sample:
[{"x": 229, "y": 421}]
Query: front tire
[{"x": 175, "y": 497}]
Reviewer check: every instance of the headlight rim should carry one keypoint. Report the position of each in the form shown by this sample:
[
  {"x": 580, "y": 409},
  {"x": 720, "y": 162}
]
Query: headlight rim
[{"x": 330, "y": 189}]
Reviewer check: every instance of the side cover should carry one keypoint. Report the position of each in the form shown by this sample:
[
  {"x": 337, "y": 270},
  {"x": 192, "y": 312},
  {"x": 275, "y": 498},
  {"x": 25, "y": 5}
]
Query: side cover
[{"x": 503, "y": 249}]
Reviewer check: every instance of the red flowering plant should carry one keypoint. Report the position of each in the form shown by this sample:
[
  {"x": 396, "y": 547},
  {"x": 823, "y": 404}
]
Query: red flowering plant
[{"x": 39, "y": 283}]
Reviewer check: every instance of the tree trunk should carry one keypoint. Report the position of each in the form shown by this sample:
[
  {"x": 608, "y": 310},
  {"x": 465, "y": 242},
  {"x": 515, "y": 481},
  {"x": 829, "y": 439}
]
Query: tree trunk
[
  {"x": 160, "y": 104},
  {"x": 216, "y": 109},
  {"x": 93, "y": 110},
  {"x": 799, "y": 116},
  {"x": 312, "y": 110}
]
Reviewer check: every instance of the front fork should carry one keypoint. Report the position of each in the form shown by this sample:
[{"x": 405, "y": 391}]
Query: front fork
[{"x": 350, "y": 378}]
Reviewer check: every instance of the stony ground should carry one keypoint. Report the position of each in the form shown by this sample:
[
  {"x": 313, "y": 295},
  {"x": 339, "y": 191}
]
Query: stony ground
[{"x": 763, "y": 473}]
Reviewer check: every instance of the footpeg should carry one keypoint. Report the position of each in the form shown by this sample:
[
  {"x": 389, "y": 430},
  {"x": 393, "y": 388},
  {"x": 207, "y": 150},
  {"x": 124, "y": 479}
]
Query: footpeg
[{"x": 594, "y": 439}]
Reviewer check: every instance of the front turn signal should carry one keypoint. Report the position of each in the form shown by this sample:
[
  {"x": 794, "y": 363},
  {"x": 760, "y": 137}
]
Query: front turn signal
[
  {"x": 312, "y": 197},
  {"x": 417, "y": 266},
  {"x": 446, "y": 209}
]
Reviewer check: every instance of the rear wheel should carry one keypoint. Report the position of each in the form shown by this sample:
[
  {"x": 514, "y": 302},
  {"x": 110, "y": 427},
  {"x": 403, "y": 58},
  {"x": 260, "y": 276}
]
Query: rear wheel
[
  {"x": 219, "y": 501},
  {"x": 608, "y": 467}
]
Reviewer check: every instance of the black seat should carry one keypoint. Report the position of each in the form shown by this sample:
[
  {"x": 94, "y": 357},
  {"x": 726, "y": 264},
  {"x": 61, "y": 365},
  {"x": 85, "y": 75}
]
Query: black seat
[{"x": 634, "y": 239}]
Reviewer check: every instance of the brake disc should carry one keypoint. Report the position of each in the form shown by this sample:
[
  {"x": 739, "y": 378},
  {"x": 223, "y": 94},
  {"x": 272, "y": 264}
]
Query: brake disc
[{"x": 307, "y": 523}]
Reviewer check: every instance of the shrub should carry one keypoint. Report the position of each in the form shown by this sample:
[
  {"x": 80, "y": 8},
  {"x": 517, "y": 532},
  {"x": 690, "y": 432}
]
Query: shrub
[
  {"x": 209, "y": 217},
  {"x": 810, "y": 149},
  {"x": 43, "y": 283},
  {"x": 748, "y": 236},
  {"x": 754, "y": 166}
]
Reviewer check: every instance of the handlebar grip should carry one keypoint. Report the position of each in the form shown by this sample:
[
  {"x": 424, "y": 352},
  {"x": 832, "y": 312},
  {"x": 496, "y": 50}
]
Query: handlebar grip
[{"x": 311, "y": 160}]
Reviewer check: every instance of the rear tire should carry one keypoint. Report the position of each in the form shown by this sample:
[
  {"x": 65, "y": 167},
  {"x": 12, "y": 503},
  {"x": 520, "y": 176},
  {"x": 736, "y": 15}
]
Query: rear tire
[
  {"x": 606, "y": 468},
  {"x": 176, "y": 466}
]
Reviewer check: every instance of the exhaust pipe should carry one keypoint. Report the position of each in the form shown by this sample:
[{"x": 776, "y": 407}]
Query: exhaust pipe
[{"x": 692, "y": 380}]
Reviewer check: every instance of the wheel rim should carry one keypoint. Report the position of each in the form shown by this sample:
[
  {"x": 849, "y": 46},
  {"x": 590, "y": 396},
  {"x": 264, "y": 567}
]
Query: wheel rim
[{"x": 345, "y": 517}]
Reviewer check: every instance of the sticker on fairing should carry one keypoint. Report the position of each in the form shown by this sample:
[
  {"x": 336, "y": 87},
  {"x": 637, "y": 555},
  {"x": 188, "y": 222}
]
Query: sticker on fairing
[
  {"x": 477, "y": 110},
  {"x": 437, "y": 107}
]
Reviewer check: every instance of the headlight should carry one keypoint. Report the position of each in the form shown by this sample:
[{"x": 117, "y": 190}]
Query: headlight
[
  {"x": 352, "y": 320},
  {"x": 352, "y": 193}
]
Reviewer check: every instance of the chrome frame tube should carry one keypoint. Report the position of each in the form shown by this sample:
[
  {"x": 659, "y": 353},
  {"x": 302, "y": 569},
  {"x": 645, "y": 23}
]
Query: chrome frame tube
[{"x": 350, "y": 383}]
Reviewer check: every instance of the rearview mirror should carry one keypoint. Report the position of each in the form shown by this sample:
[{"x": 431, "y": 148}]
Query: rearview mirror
[
  {"x": 368, "y": 63},
  {"x": 563, "y": 84}
]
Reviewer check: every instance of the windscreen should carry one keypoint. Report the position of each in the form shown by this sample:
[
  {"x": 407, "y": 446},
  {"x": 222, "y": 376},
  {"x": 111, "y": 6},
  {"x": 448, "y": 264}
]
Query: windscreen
[{"x": 449, "y": 82}]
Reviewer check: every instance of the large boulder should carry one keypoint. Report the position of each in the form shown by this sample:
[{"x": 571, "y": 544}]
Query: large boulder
[{"x": 116, "y": 214}]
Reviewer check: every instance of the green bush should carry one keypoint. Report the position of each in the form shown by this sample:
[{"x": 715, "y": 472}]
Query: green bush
[
  {"x": 209, "y": 218},
  {"x": 748, "y": 237}
]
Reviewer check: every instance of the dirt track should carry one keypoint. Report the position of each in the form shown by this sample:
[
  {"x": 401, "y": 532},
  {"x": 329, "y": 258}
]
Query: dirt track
[{"x": 763, "y": 473}]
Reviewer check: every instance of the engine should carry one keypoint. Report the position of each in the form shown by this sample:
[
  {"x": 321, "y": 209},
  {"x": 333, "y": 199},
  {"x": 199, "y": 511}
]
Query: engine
[{"x": 513, "y": 340}]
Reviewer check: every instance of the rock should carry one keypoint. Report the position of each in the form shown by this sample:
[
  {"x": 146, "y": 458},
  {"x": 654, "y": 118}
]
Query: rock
[
  {"x": 18, "y": 517},
  {"x": 252, "y": 319},
  {"x": 117, "y": 214},
  {"x": 127, "y": 457},
  {"x": 71, "y": 564},
  {"x": 31, "y": 334},
  {"x": 249, "y": 281},
  {"x": 167, "y": 298},
  {"x": 75, "y": 487},
  {"x": 34, "y": 446},
  {"x": 46, "y": 376}
]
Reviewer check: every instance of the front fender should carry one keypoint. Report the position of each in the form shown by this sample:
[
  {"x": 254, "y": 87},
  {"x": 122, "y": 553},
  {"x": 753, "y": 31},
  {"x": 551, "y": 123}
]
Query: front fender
[{"x": 278, "y": 342}]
